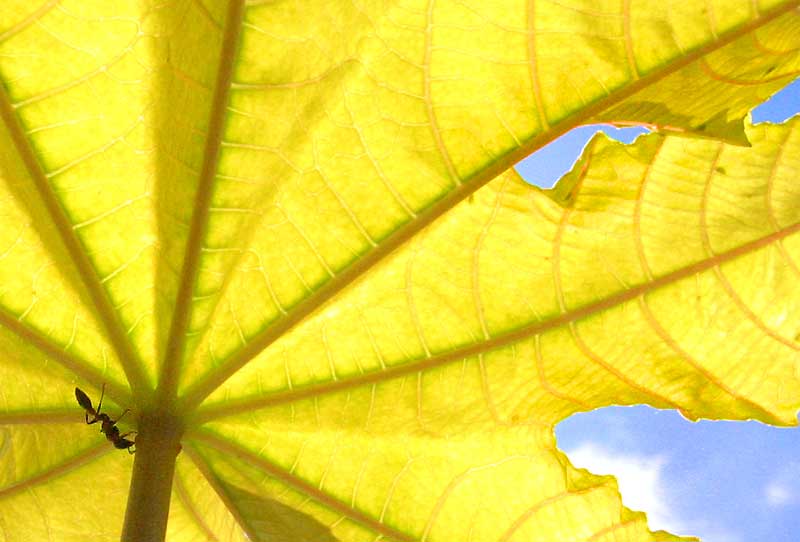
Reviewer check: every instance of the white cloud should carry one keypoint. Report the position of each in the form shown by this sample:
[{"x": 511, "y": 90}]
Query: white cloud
[
  {"x": 641, "y": 482},
  {"x": 781, "y": 490},
  {"x": 644, "y": 486},
  {"x": 778, "y": 494}
]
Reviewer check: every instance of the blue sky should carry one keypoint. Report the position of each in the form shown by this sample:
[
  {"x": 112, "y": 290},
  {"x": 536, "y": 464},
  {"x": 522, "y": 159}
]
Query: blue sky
[{"x": 721, "y": 481}]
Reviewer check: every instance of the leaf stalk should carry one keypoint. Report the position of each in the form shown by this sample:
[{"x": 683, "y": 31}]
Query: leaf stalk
[{"x": 157, "y": 447}]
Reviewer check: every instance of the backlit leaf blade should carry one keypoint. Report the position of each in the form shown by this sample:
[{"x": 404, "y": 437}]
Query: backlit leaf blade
[
  {"x": 70, "y": 499},
  {"x": 347, "y": 280},
  {"x": 182, "y": 90},
  {"x": 48, "y": 330},
  {"x": 73, "y": 104},
  {"x": 647, "y": 243},
  {"x": 710, "y": 94},
  {"x": 308, "y": 225},
  {"x": 118, "y": 138},
  {"x": 197, "y": 510},
  {"x": 658, "y": 242},
  {"x": 347, "y": 487}
]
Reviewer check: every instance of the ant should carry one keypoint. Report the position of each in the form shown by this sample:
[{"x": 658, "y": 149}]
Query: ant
[{"x": 109, "y": 426}]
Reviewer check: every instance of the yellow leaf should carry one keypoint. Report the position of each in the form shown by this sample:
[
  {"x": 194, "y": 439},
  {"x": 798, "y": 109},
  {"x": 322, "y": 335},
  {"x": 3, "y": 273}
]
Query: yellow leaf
[{"x": 288, "y": 236}]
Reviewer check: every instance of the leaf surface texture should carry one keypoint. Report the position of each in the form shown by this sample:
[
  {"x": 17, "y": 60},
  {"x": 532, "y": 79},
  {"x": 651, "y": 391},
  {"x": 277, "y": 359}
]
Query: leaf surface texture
[{"x": 298, "y": 229}]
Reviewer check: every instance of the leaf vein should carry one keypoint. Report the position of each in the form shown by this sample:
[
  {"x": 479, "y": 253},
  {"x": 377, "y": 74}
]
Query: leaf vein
[
  {"x": 74, "y": 247},
  {"x": 206, "y": 385},
  {"x": 176, "y": 342}
]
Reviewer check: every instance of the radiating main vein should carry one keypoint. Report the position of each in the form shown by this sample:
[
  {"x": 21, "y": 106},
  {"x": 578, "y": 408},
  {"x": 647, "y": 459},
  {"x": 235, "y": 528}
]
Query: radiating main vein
[
  {"x": 202, "y": 388},
  {"x": 108, "y": 316},
  {"x": 176, "y": 343},
  {"x": 499, "y": 341},
  {"x": 290, "y": 480}
]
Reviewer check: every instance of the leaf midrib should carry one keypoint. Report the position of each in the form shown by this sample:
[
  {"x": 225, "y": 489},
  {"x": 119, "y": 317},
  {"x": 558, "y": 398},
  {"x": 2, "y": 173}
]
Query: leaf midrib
[
  {"x": 77, "y": 365},
  {"x": 69, "y": 465},
  {"x": 349, "y": 510},
  {"x": 176, "y": 342},
  {"x": 291, "y": 480},
  {"x": 206, "y": 385},
  {"x": 232, "y": 407},
  {"x": 128, "y": 357}
]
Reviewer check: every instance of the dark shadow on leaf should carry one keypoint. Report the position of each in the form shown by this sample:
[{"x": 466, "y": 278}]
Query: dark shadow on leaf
[{"x": 272, "y": 521}]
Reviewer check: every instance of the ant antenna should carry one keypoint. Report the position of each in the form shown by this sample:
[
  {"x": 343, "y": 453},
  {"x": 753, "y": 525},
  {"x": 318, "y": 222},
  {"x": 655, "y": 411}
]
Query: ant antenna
[{"x": 102, "y": 392}]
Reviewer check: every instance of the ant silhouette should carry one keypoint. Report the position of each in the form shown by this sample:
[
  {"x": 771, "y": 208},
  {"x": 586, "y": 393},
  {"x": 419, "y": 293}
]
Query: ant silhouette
[{"x": 109, "y": 426}]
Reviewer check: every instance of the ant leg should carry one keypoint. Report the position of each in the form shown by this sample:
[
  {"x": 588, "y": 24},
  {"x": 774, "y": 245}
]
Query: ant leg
[{"x": 128, "y": 433}]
